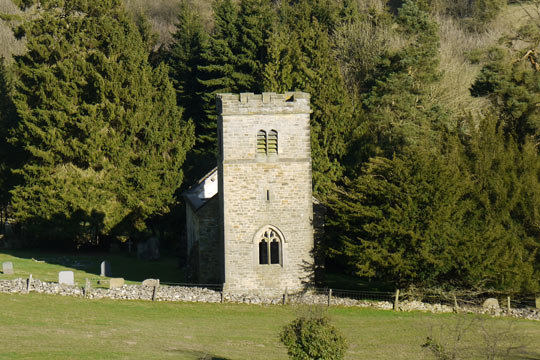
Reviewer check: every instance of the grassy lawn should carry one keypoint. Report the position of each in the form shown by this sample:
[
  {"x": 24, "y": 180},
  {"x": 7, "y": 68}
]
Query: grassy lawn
[
  {"x": 38, "y": 326},
  {"x": 45, "y": 266}
]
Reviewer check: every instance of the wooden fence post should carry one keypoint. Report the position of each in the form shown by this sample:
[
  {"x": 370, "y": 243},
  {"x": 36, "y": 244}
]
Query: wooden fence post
[
  {"x": 28, "y": 283},
  {"x": 285, "y": 297},
  {"x": 508, "y": 305},
  {"x": 329, "y": 297},
  {"x": 154, "y": 293},
  {"x": 396, "y": 300},
  {"x": 456, "y": 306}
]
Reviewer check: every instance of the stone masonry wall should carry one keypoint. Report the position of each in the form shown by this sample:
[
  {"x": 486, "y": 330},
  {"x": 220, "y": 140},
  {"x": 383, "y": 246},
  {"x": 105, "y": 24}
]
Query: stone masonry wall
[
  {"x": 256, "y": 191},
  {"x": 197, "y": 294},
  {"x": 209, "y": 247}
]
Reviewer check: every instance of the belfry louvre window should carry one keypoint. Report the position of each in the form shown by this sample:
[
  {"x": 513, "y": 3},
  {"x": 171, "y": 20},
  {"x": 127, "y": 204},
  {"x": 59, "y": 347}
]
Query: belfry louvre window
[
  {"x": 267, "y": 145},
  {"x": 272, "y": 142},
  {"x": 269, "y": 248},
  {"x": 261, "y": 142}
]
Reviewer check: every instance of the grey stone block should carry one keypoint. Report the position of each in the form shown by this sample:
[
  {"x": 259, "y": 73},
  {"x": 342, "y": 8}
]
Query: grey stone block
[
  {"x": 7, "y": 268},
  {"x": 66, "y": 278},
  {"x": 116, "y": 283}
]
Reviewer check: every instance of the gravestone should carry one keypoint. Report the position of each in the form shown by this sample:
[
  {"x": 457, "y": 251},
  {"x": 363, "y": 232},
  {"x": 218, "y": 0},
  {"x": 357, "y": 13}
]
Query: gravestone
[
  {"x": 66, "y": 278},
  {"x": 105, "y": 269},
  {"x": 116, "y": 283},
  {"x": 491, "y": 304},
  {"x": 150, "y": 282},
  {"x": 7, "y": 268}
]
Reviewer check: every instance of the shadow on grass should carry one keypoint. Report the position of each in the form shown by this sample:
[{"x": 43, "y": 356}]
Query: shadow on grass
[
  {"x": 466, "y": 336},
  {"x": 199, "y": 355},
  {"x": 525, "y": 355},
  {"x": 122, "y": 265}
]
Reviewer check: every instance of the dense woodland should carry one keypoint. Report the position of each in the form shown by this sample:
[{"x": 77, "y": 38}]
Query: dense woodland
[{"x": 425, "y": 124}]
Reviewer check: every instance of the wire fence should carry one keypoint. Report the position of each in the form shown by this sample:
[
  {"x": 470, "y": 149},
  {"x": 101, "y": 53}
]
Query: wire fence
[
  {"x": 453, "y": 299},
  {"x": 359, "y": 295}
]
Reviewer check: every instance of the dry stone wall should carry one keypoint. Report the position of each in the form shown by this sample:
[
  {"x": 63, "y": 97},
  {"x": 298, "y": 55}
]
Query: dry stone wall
[{"x": 196, "y": 294}]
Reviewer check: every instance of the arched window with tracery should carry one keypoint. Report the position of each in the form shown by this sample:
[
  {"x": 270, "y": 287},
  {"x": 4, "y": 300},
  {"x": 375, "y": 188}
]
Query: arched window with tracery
[{"x": 270, "y": 247}]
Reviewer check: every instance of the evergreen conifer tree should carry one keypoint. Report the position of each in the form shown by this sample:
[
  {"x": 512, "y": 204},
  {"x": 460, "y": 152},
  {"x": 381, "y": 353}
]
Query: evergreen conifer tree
[
  {"x": 510, "y": 78},
  {"x": 185, "y": 56},
  {"x": 403, "y": 220},
  {"x": 103, "y": 135},
  {"x": 462, "y": 215},
  {"x": 255, "y": 20},
  {"x": 398, "y": 110},
  {"x": 505, "y": 218},
  {"x": 10, "y": 157},
  {"x": 190, "y": 41},
  {"x": 217, "y": 74},
  {"x": 301, "y": 58}
]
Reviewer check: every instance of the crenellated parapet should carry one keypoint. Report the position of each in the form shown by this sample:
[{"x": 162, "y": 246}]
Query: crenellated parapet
[{"x": 265, "y": 103}]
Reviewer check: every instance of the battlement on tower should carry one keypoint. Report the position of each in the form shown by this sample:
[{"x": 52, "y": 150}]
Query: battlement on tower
[{"x": 265, "y": 103}]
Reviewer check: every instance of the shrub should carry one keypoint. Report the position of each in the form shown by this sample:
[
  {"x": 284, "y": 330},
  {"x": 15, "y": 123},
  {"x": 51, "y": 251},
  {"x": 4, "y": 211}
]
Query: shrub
[{"x": 313, "y": 337}]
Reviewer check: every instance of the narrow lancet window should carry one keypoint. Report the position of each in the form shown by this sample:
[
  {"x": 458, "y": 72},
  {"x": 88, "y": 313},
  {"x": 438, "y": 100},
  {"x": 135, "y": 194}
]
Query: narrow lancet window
[
  {"x": 263, "y": 253},
  {"x": 274, "y": 252}
]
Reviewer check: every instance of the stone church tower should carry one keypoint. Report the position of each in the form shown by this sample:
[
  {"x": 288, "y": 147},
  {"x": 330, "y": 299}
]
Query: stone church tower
[
  {"x": 250, "y": 220},
  {"x": 265, "y": 198}
]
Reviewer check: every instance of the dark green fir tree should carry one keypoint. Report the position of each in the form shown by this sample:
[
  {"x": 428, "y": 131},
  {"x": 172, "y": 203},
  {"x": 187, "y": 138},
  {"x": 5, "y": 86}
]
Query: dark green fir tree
[
  {"x": 505, "y": 219},
  {"x": 398, "y": 110},
  {"x": 217, "y": 74},
  {"x": 300, "y": 57},
  {"x": 9, "y": 155},
  {"x": 403, "y": 220},
  {"x": 101, "y": 129},
  {"x": 255, "y": 20},
  {"x": 510, "y": 78},
  {"x": 185, "y": 56}
]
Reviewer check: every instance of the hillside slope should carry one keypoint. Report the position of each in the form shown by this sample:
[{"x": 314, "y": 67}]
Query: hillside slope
[{"x": 456, "y": 43}]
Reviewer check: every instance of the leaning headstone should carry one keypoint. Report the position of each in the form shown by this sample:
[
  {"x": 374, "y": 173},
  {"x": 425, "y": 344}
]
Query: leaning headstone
[
  {"x": 66, "y": 278},
  {"x": 150, "y": 282},
  {"x": 116, "y": 283},
  {"x": 491, "y": 304},
  {"x": 7, "y": 268},
  {"x": 105, "y": 269}
]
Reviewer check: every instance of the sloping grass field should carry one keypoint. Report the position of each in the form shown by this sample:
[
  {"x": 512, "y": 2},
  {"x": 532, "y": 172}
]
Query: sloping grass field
[
  {"x": 46, "y": 265},
  {"x": 39, "y": 326}
]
